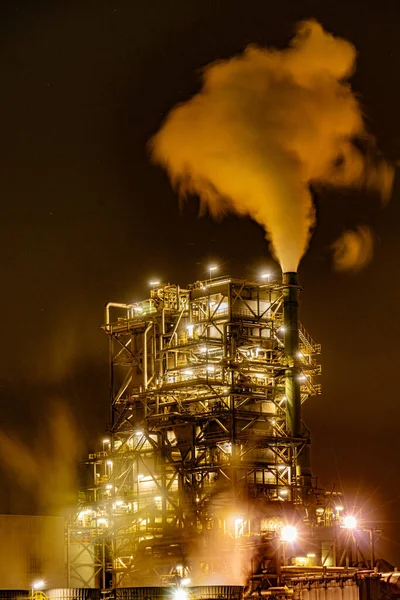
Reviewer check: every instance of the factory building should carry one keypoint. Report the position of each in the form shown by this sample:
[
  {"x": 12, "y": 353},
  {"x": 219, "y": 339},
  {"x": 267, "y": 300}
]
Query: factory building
[
  {"x": 207, "y": 457},
  {"x": 203, "y": 485}
]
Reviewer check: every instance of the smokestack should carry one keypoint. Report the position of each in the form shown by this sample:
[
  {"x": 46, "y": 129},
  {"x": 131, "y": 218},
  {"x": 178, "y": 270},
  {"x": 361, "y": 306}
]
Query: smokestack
[
  {"x": 294, "y": 424},
  {"x": 291, "y": 337}
]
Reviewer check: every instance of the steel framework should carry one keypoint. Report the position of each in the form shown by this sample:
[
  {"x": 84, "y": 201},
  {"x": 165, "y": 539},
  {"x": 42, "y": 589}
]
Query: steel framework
[{"x": 201, "y": 453}]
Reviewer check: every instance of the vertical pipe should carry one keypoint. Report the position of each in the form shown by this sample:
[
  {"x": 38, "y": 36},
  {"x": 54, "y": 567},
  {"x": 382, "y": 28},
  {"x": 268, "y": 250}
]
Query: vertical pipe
[
  {"x": 302, "y": 462},
  {"x": 68, "y": 556},
  {"x": 145, "y": 366},
  {"x": 291, "y": 340},
  {"x": 104, "y": 565}
]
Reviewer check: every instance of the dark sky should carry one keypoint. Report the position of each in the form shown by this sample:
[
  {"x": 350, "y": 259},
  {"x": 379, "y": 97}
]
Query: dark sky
[{"x": 86, "y": 219}]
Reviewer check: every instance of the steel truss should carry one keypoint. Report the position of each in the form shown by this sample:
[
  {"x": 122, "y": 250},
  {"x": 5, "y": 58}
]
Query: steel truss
[{"x": 198, "y": 429}]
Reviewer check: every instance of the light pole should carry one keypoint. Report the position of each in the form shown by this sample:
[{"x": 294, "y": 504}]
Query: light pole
[
  {"x": 288, "y": 535},
  {"x": 37, "y": 586},
  {"x": 211, "y": 269}
]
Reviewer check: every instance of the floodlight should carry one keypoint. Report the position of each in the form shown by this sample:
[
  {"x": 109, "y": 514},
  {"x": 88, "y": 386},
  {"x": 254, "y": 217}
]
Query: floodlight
[
  {"x": 288, "y": 533},
  {"x": 212, "y": 268},
  {"x": 349, "y": 522},
  {"x": 38, "y": 584}
]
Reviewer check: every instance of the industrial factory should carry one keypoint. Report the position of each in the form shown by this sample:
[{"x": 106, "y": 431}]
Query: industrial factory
[
  {"x": 203, "y": 487},
  {"x": 205, "y": 481}
]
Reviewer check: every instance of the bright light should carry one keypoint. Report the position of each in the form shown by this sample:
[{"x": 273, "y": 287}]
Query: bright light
[
  {"x": 300, "y": 355},
  {"x": 102, "y": 522},
  {"x": 106, "y": 441},
  {"x": 238, "y": 527},
  {"x": 281, "y": 467},
  {"x": 188, "y": 372},
  {"x": 311, "y": 555},
  {"x": 109, "y": 486},
  {"x": 154, "y": 283},
  {"x": 186, "y": 581},
  {"x": 349, "y": 522},
  {"x": 180, "y": 594},
  {"x": 190, "y": 329},
  {"x": 266, "y": 276},
  {"x": 110, "y": 463},
  {"x": 138, "y": 432},
  {"x": 283, "y": 492},
  {"x": 140, "y": 476},
  {"x": 38, "y": 585},
  {"x": 281, "y": 329},
  {"x": 210, "y": 369},
  {"x": 288, "y": 533},
  {"x": 339, "y": 508},
  {"x": 203, "y": 349},
  {"x": 211, "y": 269}
]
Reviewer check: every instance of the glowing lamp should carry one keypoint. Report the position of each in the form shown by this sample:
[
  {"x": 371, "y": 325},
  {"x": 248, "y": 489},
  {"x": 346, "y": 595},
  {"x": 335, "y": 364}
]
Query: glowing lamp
[
  {"x": 180, "y": 594},
  {"x": 212, "y": 268},
  {"x": 38, "y": 585},
  {"x": 288, "y": 533},
  {"x": 349, "y": 522}
]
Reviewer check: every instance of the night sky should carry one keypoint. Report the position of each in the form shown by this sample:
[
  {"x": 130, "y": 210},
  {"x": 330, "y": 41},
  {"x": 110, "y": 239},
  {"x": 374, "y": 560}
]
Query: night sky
[{"x": 86, "y": 219}]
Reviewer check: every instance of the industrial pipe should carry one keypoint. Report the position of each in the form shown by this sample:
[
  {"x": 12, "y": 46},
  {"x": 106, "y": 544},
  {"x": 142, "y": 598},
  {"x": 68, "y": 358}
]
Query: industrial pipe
[
  {"x": 107, "y": 312},
  {"x": 291, "y": 342},
  {"x": 294, "y": 424}
]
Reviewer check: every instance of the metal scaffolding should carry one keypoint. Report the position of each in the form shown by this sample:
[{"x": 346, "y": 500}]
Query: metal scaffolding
[{"x": 201, "y": 452}]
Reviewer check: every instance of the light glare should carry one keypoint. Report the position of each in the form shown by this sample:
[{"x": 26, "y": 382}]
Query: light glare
[
  {"x": 349, "y": 522},
  {"x": 38, "y": 585},
  {"x": 288, "y": 533}
]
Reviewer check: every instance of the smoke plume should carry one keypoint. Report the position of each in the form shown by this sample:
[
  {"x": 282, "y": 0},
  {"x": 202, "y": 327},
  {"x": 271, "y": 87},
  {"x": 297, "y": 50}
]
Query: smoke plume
[
  {"x": 267, "y": 126},
  {"x": 45, "y": 467},
  {"x": 354, "y": 249}
]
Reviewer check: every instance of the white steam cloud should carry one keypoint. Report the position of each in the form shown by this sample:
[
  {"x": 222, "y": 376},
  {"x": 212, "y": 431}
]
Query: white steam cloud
[
  {"x": 354, "y": 249},
  {"x": 46, "y": 467},
  {"x": 268, "y": 125}
]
